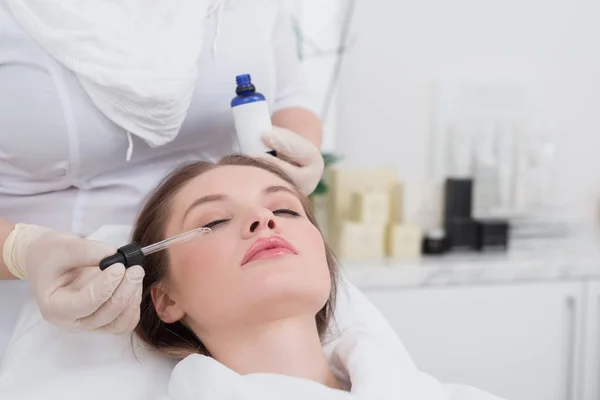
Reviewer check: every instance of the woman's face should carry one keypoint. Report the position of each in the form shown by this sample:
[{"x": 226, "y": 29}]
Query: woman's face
[{"x": 264, "y": 260}]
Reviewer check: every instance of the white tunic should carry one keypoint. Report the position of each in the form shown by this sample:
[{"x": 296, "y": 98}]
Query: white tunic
[{"x": 63, "y": 163}]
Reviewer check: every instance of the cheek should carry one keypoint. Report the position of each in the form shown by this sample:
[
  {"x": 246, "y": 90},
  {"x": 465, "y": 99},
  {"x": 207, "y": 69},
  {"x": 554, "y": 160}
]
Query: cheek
[
  {"x": 200, "y": 273},
  {"x": 312, "y": 247},
  {"x": 194, "y": 260},
  {"x": 312, "y": 244}
]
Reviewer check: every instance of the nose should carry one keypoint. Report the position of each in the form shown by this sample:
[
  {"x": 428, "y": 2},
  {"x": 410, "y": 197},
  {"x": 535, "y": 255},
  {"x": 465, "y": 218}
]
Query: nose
[{"x": 259, "y": 221}]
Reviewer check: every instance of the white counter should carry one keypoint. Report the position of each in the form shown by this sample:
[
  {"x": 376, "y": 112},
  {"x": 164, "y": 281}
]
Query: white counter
[{"x": 531, "y": 260}]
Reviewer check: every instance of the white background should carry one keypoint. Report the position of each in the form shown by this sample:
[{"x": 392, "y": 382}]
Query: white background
[{"x": 400, "y": 48}]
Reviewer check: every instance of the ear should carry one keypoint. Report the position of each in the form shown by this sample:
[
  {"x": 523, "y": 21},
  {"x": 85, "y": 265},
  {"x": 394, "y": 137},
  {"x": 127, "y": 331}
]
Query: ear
[{"x": 168, "y": 309}]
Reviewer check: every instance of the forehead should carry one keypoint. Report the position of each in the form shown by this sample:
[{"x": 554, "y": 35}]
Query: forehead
[{"x": 230, "y": 180}]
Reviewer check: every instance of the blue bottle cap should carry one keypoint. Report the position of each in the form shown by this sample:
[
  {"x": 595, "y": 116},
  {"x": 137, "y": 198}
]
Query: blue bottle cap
[{"x": 244, "y": 84}]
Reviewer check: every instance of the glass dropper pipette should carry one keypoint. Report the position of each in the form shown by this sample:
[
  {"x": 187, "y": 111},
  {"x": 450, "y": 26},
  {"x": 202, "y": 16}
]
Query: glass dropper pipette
[{"x": 133, "y": 254}]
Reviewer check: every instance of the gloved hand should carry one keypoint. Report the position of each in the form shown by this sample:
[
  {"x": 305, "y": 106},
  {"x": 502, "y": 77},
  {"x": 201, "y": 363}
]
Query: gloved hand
[
  {"x": 70, "y": 289},
  {"x": 297, "y": 156}
]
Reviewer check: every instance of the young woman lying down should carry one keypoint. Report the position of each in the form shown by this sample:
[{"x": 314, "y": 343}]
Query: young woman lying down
[{"x": 247, "y": 307}]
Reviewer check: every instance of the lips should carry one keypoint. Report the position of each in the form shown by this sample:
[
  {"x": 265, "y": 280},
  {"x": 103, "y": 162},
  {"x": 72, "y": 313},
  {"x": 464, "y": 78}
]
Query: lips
[{"x": 273, "y": 246}]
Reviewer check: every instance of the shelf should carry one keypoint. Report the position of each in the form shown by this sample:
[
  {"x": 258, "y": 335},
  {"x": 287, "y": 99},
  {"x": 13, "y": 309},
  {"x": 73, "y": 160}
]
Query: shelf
[{"x": 530, "y": 260}]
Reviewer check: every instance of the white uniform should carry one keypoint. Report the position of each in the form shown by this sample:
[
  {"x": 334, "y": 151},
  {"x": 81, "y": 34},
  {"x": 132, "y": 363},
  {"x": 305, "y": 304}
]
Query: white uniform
[{"x": 63, "y": 163}]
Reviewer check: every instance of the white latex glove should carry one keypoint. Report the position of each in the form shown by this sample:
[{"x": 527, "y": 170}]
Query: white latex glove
[
  {"x": 70, "y": 289},
  {"x": 297, "y": 156}
]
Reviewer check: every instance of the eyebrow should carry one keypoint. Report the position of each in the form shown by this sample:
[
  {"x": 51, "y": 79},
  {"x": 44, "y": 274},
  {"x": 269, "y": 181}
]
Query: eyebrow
[{"x": 211, "y": 198}]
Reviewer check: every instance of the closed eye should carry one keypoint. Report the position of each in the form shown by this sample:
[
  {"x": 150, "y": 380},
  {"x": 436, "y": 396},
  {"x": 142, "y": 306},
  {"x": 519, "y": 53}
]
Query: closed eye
[
  {"x": 286, "y": 211},
  {"x": 276, "y": 212},
  {"x": 215, "y": 222}
]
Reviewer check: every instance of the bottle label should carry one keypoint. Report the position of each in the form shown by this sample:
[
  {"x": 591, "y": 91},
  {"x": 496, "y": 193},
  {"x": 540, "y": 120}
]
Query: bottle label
[{"x": 252, "y": 120}]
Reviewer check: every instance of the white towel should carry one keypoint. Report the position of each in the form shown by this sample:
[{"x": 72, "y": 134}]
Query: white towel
[
  {"x": 136, "y": 59},
  {"x": 373, "y": 372}
]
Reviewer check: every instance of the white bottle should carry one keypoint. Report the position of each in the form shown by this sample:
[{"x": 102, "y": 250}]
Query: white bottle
[
  {"x": 251, "y": 117},
  {"x": 505, "y": 142},
  {"x": 485, "y": 193}
]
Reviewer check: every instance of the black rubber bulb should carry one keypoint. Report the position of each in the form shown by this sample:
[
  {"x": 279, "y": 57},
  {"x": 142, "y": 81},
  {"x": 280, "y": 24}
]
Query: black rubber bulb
[
  {"x": 129, "y": 255},
  {"x": 114, "y": 259}
]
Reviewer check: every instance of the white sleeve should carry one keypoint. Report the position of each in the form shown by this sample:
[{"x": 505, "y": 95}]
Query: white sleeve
[{"x": 293, "y": 89}]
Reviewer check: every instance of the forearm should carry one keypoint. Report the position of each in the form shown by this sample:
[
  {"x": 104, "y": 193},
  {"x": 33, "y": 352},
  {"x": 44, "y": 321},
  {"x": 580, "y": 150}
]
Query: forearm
[
  {"x": 6, "y": 228},
  {"x": 301, "y": 121}
]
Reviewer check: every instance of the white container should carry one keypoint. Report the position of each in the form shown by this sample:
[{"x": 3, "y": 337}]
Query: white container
[{"x": 251, "y": 117}]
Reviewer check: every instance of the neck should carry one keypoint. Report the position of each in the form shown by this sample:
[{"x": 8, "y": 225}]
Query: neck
[{"x": 288, "y": 346}]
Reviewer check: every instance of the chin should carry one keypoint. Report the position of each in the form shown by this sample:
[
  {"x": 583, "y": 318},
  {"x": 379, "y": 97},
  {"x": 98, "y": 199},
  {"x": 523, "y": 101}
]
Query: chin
[{"x": 291, "y": 288}]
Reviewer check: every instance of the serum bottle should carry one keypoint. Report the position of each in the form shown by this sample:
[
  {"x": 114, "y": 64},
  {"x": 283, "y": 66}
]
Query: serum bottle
[{"x": 251, "y": 117}]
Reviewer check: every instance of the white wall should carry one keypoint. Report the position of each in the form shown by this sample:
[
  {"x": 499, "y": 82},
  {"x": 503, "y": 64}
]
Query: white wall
[{"x": 401, "y": 47}]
